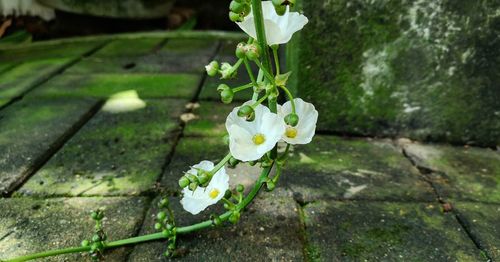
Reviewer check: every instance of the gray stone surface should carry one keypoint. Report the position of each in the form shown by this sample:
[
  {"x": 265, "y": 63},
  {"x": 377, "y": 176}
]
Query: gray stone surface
[
  {"x": 268, "y": 231},
  {"x": 113, "y": 154},
  {"x": 30, "y": 225},
  {"x": 482, "y": 220},
  {"x": 30, "y": 130},
  {"x": 366, "y": 231},
  {"x": 460, "y": 173},
  {"x": 425, "y": 69},
  {"x": 333, "y": 167}
]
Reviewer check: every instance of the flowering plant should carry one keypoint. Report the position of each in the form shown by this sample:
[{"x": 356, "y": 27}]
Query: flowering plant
[{"x": 254, "y": 129}]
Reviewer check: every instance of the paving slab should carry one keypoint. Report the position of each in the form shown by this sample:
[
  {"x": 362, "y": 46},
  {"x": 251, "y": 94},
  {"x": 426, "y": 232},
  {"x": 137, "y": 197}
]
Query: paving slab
[
  {"x": 209, "y": 119},
  {"x": 30, "y": 129},
  {"x": 177, "y": 56},
  {"x": 460, "y": 173},
  {"x": 42, "y": 52},
  {"x": 113, "y": 154},
  {"x": 343, "y": 168},
  {"x": 268, "y": 231},
  {"x": 226, "y": 54},
  {"x": 385, "y": 231},
  {"x": 25, "y": 76},
  {"x": 129, "y": 47},
  {"x": 33, "y": 225},
  {"x": 482, "y": 220},
  {"x": 105, "y": 85}
]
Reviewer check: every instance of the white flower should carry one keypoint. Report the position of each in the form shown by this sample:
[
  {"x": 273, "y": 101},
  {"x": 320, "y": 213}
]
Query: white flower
[
  {"x": 279, "y": 29},
  {"x": 305, "y": 129},
  {"x": 249, "y": 141},
  {"x": 202, "y": 197}
]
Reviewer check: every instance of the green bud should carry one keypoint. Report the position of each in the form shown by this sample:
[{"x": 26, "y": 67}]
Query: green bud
[
  {"x": 227, "y": 71},
  {"x": 222, "y": 87},
  {"x": 227, "y": 96},
  {"x": 233, "y": 162},
  {"x": 240, "y": 188},
  {"x": 234, "y": 217},
  {"x": 212, "y": 68},
  {"x": 167, "y": 253},
  {"x": 270, "y": 185},
  {"x": 236, "y": 7},
  {"x": 216, "y": 221},
  {"x": 193, "y": 186},
  {"x": 235, "y": 17},
  {"x": 96, "y": 238},
  {"x": 183, "y": 182},
  {"x": 227, "y": 206},
  {"x": 171, "y": 246},
  {"x": 97, "y": 215},
  {"x": 85, "y": 243},
  {"x": 247, "y": 112},
  {"x": 246, "y": 10},
  {"x": 292, "y": 119},
  {"x": 164, "y": 201},
  {"x": 161, "y": 215},
  {"x": 203, "y": 177},
  {"x": 280, "y": 10},
  {"x": 241, "y": 50},
  {"x": 252, "y": 163},
  {"x": 192, "y": 178},
  {"x": 253, "y": 51},
  {"x": 170, "y": 227},
  {"x": 165, "y": 233},
  {"x": 228, "y": 194},
  {"x": 158, "y": 226}
]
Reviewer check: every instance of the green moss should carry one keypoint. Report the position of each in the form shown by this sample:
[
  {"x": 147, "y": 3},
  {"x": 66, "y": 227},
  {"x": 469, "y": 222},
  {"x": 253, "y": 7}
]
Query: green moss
[
  {"x": 105, "y": 85},
  {"x": 129, "y": 47}
]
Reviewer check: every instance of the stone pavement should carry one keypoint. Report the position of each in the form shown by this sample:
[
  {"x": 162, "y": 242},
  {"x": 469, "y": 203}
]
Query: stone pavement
[{"x": 339, "y": 199}]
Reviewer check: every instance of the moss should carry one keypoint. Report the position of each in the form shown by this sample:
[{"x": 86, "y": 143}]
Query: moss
[
  {"x": 129, "y": 47},
  {"x": 104, "y": 85}
]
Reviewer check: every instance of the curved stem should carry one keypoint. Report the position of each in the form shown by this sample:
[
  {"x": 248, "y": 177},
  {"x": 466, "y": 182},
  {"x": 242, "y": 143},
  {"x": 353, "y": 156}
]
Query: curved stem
[
  {"x": 220, "y": 164},
  {"x": 290, "y": 97},
  {"x": 276, "y": 59},
  {"x": 243, "y": 87},
  {"x": 156, "y": 236}
]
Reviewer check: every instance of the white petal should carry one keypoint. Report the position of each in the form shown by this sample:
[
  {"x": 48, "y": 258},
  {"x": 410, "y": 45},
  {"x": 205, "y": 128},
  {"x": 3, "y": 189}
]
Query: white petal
[
  {"x": 272, "y": 127},
  {"x": 308, "y": 117},
  {"x": 241, "y": 145}
]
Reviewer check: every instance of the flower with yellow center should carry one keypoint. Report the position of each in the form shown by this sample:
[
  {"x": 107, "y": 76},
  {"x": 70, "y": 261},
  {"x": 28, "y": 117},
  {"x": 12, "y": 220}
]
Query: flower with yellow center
[
  {"x": 196, "y": 201},
  {"x": 249, "y": 141},
  {"x": 304, "y": 131}
]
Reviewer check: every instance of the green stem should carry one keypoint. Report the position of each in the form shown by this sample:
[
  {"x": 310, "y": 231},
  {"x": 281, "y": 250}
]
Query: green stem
[
  {"x": 290, "y": 97},
  {"x": 220, "y": 164},
  {"x": 261, "y": 31},
  {"x": 243, "y": 87},
  {"x": 276, "y": 59},
  {"x": 258, "y": 102},
  {"x": 250, "y": 73},
  {"x": 268, "y": 75},
  {"x": 156, "y": 236}
]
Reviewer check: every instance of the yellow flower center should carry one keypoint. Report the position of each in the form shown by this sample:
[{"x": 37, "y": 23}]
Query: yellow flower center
[
  {"x": 291, "y": 132},
  {"x": 214, "y": 193},
  {"x": 258, "y": 139}
]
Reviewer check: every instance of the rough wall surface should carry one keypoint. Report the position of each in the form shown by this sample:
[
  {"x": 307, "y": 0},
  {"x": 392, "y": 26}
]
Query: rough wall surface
[{"x": 426, "y": 69}]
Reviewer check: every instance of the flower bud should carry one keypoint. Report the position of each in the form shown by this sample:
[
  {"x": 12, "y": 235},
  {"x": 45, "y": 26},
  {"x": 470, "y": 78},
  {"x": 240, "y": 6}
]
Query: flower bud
[
  {"x": 193, "y": 186},
  {"x": 203, "y": 177},
  {"x": 164, "y": 201},
  {"x": 234, "y": 217},
  {"x": 241, "y": 50},
  {"x": 235, "y": 17},
  {"x": 212, "y": 68},
  {"x": 161, "y": 215},
  {"x": 227, "y": 71},
  {"x": 240, "y": 188},
  {"x": 247, "y": 112},
  {"x": 228, "y": 194},
  {"x": 96, "y": 238},
  {"x": 233, "y": 162},
  {"x": 280, "y": 10},
  {"x": 283, "y": 2},
  {"x": 270, "y": 185},
  {"x": 158, "y": 226},
  {"x": 236, "y": 7},
  {"x": 292, "y": 119},
  {"x": 184, "y": 182},
  {"x": 217, "y": 221},
  {"x": 227, "y": 96},
  {"x": 253, "y": 51},
  {"x": 165, "y": 233},
  {"x": 246, "y": 10},
  {"x": 85, "y": 243}
]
